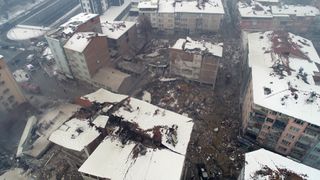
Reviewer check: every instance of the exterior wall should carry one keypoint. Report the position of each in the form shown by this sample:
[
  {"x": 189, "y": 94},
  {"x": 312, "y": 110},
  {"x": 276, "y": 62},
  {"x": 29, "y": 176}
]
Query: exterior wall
[
  {"x": 194, "y": 66},
  {"x": 165, "y": 22},
  {"x": 126, "y": 43},
  {"x": 96, "y": 54},
  {"x": 56, "y": 45},
  {"x": 93, "y": 25},
  {"x": 256, "y": 23},
  {"x": 183, "y": 22},
  {"x": 185, "y": 64},
  {"x": 195, "y": 22},
  {"x": 247, "y": 106},
  {"x": 10, "y": 93},
  {"x": 292, "y": 23},
  {"x": 209, "y": 69},
  {"x": 78, "y": 65},
  {"x": 59, "y": 56},
  {"x": 283, "y": 134}
]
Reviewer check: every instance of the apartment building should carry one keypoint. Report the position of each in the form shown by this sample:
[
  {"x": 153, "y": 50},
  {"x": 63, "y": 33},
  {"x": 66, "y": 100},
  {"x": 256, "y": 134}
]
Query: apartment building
[
  {"x": 86, "y": 53},
  {"x": 274, "y": 15},
  {"x": 281, "y": 100},
  {"x": 57, "y": 38},
  {"x": 89, "y": 60},
  {"x": 183, "y": 16},
  {"x": 195, "y": 60},
  {"x": 264, "y": 164},
  {"x": 94, "y": 6},
  {"x": 10, "y": 93},
  {"x": 121, "y": 36}
]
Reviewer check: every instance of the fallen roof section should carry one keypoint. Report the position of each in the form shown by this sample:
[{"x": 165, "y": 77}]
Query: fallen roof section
[
  {"x": 116, "y": 161},
  {"x": 143, "y": 142},
  {"x": 201, "y": 47},
  {"x": 76, "y": 134},
  {"x": 263, "y": 164}
]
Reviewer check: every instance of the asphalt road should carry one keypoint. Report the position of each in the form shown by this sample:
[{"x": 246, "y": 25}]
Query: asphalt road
[{"x": 50, "y": 12}]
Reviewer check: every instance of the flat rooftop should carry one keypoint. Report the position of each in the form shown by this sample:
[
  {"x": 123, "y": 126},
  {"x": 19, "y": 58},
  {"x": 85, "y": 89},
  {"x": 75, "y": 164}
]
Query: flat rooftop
[
  {"x": 295, "y": 10},
  {"x": 76, "y": 134},
  {"x": 123, "y": 155},
  {"x": 284, "y": 73},
  {"x": 69, "y": 27},
  {"x": 79, "y": 41},
  {"x": 263, "y": 164},
  {"x": 115, "y": 29},
  {"x": 164, "y": 6},
  {"x": 255, "y": 9},
  {"x": 110, "y": 77},
  {"x": 209, "y": 7},
  {"x": 114, "y": 12},
  {"x": 200, "y": 47}
]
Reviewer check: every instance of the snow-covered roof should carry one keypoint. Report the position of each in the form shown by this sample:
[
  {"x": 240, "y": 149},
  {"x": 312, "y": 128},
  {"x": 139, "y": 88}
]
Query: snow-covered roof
[
  {"x": 114, "y": 13},
  {"x": 209, "y": 7},
  {"x": 71, "y": 25},
  {"x": 283, "y": 66},
  {"x": 166, "y": 6},
  {"x": 79, "y": 41},
  {"x": 295, "y": 10},
  {"x": 268, "y": 1},
  {"x": 256, "y": 10},
  {"x": 194, "y": 46},
  {"x": 115, "y": 29},
  {"x": 114, "y": 159},
  {"x": 76, "y": 134},
  {"x": 148, "y": 4},
  {"x": 263, "y": 160}
]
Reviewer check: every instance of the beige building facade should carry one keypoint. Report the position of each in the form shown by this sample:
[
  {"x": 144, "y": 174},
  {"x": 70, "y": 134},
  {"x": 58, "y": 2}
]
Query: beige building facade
[
  {"x": 183, "y": 16},
  {"x": 10, "y": 93},
  {"x": 195, "y": 60}
]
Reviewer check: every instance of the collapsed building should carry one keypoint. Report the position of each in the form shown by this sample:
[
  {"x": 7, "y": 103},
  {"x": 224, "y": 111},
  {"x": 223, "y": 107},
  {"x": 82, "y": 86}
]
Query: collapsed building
[
  {"x": 125, "y": 138},
  {"x": 195, "y": 60},
  {"x": 263, "y": 164},
  {"x": 260, "y": 15},
  {"x": 280, "y": 107}
]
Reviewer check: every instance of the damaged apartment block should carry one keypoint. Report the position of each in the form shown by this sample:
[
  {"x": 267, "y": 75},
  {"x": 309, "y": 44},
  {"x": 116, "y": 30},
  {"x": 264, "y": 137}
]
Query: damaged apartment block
[
  {"x": 196, "y": 60},
  {"x": 280, "y": 107},
  {"x": 123, "y": 134}
]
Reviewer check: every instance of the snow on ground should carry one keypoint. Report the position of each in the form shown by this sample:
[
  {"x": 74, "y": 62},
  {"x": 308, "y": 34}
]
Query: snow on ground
[{"x": 22, "y": 32}]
